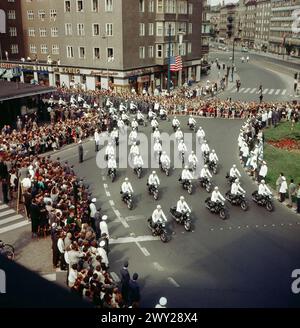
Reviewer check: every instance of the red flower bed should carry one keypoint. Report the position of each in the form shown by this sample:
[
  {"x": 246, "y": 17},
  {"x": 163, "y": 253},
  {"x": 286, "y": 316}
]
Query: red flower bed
[{"x": 288, "y": 144}]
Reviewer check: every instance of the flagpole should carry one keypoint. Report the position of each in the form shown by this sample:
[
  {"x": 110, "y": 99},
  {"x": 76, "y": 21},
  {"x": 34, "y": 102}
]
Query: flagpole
[{"x": 169, "y": 60}]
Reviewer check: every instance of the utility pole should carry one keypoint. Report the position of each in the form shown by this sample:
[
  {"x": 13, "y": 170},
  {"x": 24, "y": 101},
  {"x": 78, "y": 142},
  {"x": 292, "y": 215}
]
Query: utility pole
[{"x": 169, "y": 60}]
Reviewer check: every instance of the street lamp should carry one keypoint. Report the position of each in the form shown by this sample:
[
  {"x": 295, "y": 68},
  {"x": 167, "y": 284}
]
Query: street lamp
[
  {"x": 109, "y": 58},
  {"x": 169, "y": 59},
  {"x": 180, "y": 39}
]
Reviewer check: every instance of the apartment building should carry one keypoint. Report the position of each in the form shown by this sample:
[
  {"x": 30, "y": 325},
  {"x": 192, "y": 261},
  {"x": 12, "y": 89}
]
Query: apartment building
[
  {"x": 206, "y": 27},
  {"x": 116, "y": 43},
  {"x": 226, "y": 11},
  {"x": 284, "y": 26},
  {"x": 249, "y": 23},
  {"x": 262, "y": 24}
]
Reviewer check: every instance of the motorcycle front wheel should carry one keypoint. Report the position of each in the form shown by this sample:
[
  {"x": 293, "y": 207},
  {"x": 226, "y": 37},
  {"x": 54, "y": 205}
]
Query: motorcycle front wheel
[
  {"x": 244, "y": 205},
  {"x": 164, "y": 237},
  {"x": 190, "y": 189},
  {"x": 269, "y": 206},
  {"x": 130, "y": 205},
  {"x": 187, "y": 225},
  {"x": 223, "y": 214}
]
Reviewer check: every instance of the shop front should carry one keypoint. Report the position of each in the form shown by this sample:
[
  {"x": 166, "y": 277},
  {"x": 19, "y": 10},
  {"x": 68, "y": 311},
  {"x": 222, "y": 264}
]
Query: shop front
[{"x": 43, "y": 78}]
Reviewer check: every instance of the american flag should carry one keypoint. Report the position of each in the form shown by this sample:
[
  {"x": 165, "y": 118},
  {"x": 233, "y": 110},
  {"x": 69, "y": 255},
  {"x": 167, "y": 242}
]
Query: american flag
[{"x": 176, "y": 63}]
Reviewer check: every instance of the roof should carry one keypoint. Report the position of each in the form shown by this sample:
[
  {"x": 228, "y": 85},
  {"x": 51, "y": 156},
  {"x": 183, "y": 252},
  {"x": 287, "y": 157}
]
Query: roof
[{"x": 13, "y": 90}]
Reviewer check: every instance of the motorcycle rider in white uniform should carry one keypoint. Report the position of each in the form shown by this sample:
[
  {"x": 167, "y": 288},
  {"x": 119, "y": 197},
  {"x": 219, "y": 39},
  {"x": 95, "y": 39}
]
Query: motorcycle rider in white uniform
[
  {"x": 191, "y": 121},
  {"x": 181, "y": 148},
  {"x": 178, "y": 135},
  {"x": 158, "y": 216},
  {"x": 138, "y": 162},
  {"x": 165, "y": 160},
  {"x": 182, "y": 207},
  {"x": 112, "y": 164},
  {"x": 234, "y": 172},
  {"x": 157, "y": 147},
  {"x": 126, "y": 188},
  {"x": 193, "y": 160},
  {"x": 205, "y": 173},
  {"x": 213, "y": 158},
  {"x": 186, "y": 175},
  {"x": 216, "y": 197},
  {"x": 236, "y": 189},
  {"x": 134, "y": 150},
  {"x": 153, "y": 181},
  {"x": 200, "y": 134},
  {"x": 109, "y": 150},
  {"x": 175, "y": 122}
]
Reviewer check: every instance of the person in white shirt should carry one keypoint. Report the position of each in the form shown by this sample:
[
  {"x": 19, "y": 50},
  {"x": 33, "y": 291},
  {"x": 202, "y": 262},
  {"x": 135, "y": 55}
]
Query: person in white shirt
[
  {"x": 126, "y": 188},
  {"x": 200, "y": 134},
  {"x": 134, "y": 150},
  {"x": 109, "y": 151},
  {"x": 151, "y": 114},
  {"x": 134, "y": 124},
  {"x": 93, "y": 208},
  {"x": 182, "y": 148},
  {"x": 186, "y": 175},
  {"x": 175, "y": 123},
  {"x": 182, "y": 206},
  {"x": 156, "y": 135},
  {"x": 109, "y": 103},
  {"x": 213, "y": 158},
  {"x": 162, "y": 113},
  {"x": 157, "y": 148},
  {"x": 205, "y": 148},
  {"x": 125, "y": 118},
  {"x": 61, "y": 249},
  {"x": 236, "y": 188},
  {"x": 205, "y": 173},
  {"x": 165, "y": 160},
  {"x": 263, "y": 171},
  {"x": 122, "y": 107},
  {"x": 112, "y": 164},
  {"x": 132, "y": 137},
  {"x": 178, "y": 135},
  {"x": 138, "y": 162},
  {"x": 283, "y": 189},
  {"x": 154, "y": 124},
  {"x": 114, "y": 135},
  {"x": 193, "y": 160},
  {"x": 263, "y": 189},
  {"x": 72, "y": 276},
  {"x": 158, "y": 216},
  {"x": 234, "y": 172},
  {"x": 133, "y": 107},
  {"x": 191, "y": 121},
  {"x": 153, "y": 180},
  {"x": 72, "y": 100},
  {"x": 101, "y": 251},
  {"x": 121, "y": 126},
  {"x": 97, "y": 140},
  {"x": 140, "y": 117},
  {"x": 216, "y": 196},
  {"x": 80, "y": 99},
  {"x": 26, "y": 182},
  {"x": 103, "y": 226}
]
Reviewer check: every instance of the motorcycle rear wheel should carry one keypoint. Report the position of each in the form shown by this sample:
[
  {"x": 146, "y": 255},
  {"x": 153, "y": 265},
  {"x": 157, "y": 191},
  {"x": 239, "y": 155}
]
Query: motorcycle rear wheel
[
  {"x": 164, "y": 237},
  {"x": 187, "y": 225},
  {"x": 244, "y": 205}
]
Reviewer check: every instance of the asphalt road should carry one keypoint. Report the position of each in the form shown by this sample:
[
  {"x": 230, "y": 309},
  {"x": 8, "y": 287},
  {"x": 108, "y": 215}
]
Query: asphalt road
[
  {"x": 245, "y": 261},
  {"x": 276, "y": 77}
]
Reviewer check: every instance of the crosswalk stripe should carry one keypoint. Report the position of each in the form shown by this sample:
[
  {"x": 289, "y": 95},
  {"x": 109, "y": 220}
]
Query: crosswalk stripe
[
  {"x": 241, "y": 90},
  {"x": 11, "y": 219},
  {"x": 265, "y": 91},
  {"x": 50, "y": 277},
  {"x": 277, "y": 92},
  {"x": 14, "y": 226},
  {"x": 283, "y": 92},
  {"x": 247, "y": 90},
  {"x": 271, "y": 91},
  {"x": 253, "y": 90},
  {"x": 234, "y": 90},
  {"x": 2, "y": 207},
  {"x": 6, "y": 213}
]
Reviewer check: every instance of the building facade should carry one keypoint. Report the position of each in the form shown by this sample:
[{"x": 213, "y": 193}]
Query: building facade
[
  {"x": 213, "y": 16},
  {"x": 115, "y": 43},
  {"x": 262, "y": 24},
  {"x": 284, "y": 27},
  {"x": 11, "y": 42},
  {"x": 206, "y": 29},
  {"x": 249, "y": 23},
  {"x": 226, "y": 11}
]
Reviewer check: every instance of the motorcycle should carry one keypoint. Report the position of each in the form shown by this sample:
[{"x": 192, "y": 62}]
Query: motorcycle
[
  {"x": 127, "y": 199},
  {"x": 163, "y": 117},
  {"x": 192, "y": 127},
  {"x": 153, "y": 190},
  {"x": 160, "y": 230},
  {"x": 239, "y": 200},
  {"x": 213, "y": 166},
  {"x": 206, "y": 183},
  {"x": 265, "y": 201},
  {"x": 182, "y": 154},
  {"x": 165, "y": 168},
  {"x": 112, "y": 173},
  {"x": 217, "y": 208},
  {"x": 181, "y": 218},
  {"x": 187, "y": 185},
  {"x": 175, "y": 127},
  {"x": 230, "y": 179},
  {"x": 206, "y": 157},
  {"x": 142, "y": 122},
  {"x": 138, "y": 171}
]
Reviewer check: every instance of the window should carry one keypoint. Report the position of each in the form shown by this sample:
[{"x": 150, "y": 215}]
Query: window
[
  {"x": 96, "y": 53},
  {"x": 79, "y": 5},
  {"x": 95, "y": 6},
  {"x": 173, "y": 26},
  {"x": 172, "y": 48},
  {"x": 44, "y": 49},
  {"x": 12, "y": 31},
  {"x": 70, "y": 52},
  {"x": 55, "y": 49},
  {"x": 80, "y": 29},
  {"x": 68, "y": 28},
  {"x": 159, "y": 51},
  {"x": 170, "y": 7},
  {"x": 142, "y": 52},
  {"x": 110, "y": 53},
  {"x": 53, "y": 14},
  {"x": 142, "y": 6},
  {"x": 190, "y": 28},
  {"x": 43, "y": 32},
  {"x": 30, "y": 15},
  {"x": 159, "y": 28},
  {"x": 67, "y": 6},
  {"x": 81, "y": 52},
  {"x": 14, "y": 49},
  {"x": 31, "y": 32},
  {"x": 182, "y": 7},
  {"x": 109, "y": 5},
  {"x": 189, "y": 47},
  {"x": 160, "y": 6},
  {"x": 109, "y": 29},
  {"x": 150, "y": 51},
  {"x": 182, "y": 49},
  {"x": 151, "y": 28},
  {"x": 32, "y": 49},
  {"x": 190, "y": 9},
  {"x": 96, "y": 29},
  {"x": 182, "y": 27},
  {"x": 142, "y": 29},
  {"x": 151, "y": 6},
  {"x": 41, "y": 14},
  {"x": 54, "y": 32},
  {"x": 12, "y": 15}
]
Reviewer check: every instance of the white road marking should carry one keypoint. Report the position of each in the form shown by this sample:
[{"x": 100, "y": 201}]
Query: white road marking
[
  {"x": 111, "y": 203},
  {"x": 115, "y": 277},
  {"x": 2, "y": 207},
  {"x": 271, "y": 91},
  {"x": 121, "y": 219},
  {"x": 253, "y": 90},
  {"x": 283, "y": 92},
  {"x": 158, "y": 267},
  {"x": 105, "y": 186},
  {"x": 135, "y": 218},
  {"x": 6, "y": 213},
  {"x": 277, "y": 92},
  {"x": 234, "y": 90},
  {"x": 50, "y": 277},
  {"x": 104, "y": 178},
  {"x": 241, "y": 90},
  {"x": 265, "y": 91},
  {"x": 143, "y": 249},
  {"x": 247, "y": 90},
  {"x": 127, "y": 240},
  {"x": 173, "y": 282},
  {"x": 108, "y": 194},
  {"x": 117, "y": 212},
  {"x": 14, "y": 226},
  {"x": 11, "y": 219}
]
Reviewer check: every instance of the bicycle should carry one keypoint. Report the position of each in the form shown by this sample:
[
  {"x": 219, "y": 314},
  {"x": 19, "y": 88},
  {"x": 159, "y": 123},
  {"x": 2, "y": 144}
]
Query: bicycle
[{"x": 7, "y": 250}]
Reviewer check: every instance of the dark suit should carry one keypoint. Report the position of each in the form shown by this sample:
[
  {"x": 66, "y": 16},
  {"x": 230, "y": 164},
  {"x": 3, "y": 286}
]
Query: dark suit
[
  {"x": 80, "y": 153},
  {"x": 125, "y": 278},
  {"x": 134, "y": 292}
]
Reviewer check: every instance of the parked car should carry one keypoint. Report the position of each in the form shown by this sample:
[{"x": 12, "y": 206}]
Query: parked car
[
  {"x": 245, "y": 49},
  {"x": 205, "y": 67}
]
